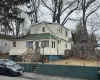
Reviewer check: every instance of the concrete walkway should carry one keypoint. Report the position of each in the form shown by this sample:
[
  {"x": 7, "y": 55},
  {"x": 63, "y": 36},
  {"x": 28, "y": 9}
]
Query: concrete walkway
[{"x": 34, "y": 76}]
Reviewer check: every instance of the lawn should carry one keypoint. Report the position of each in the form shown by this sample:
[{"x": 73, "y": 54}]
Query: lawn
[{"x": 79, "y": 62}]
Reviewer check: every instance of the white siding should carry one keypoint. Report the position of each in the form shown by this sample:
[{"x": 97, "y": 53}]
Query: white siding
[
  {"x": 54, "y": 28},
  {"x": 5, "y": 48},
  {"x": 20, "y": 44},
  {"x": 38, "y": 29},
  {"x": 48, "y": 52},
  {"x": 53, "y": 51},
  {"x": 61, "y": 47},
  {"x": 69, "y": 45}
]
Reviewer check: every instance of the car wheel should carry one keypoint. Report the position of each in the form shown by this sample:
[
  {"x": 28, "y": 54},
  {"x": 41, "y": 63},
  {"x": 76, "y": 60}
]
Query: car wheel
[{"x": 8, "y": 73}]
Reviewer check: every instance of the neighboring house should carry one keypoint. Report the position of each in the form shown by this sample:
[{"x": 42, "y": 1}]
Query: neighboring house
[
  {"x": 5, "y": 43},
  {"x": 51, "y": 38}
]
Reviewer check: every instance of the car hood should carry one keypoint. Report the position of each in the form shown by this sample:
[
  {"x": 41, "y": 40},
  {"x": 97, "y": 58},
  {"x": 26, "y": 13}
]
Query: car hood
[{"x": 14, "y": 66}]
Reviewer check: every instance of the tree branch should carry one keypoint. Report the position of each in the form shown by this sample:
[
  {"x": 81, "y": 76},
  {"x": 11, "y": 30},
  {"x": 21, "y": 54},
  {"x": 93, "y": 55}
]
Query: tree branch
[
  {"x": 89, "y": 3},
  {"x": 68, "y": 7},
  {"x": 64, "y": 21},
  {"x": 46, "y": 5},
  {"x": 92, "y": 12}
]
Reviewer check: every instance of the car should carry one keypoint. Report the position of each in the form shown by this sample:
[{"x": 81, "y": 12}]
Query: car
[{"x": 10, "y": 68}]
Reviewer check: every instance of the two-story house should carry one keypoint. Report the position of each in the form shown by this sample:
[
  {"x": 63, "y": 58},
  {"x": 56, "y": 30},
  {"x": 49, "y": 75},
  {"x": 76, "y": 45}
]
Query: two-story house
[{"x": 51, "y": 38}]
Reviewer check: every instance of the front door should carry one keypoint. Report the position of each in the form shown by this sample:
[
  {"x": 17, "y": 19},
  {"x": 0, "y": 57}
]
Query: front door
[
  {"x": 37, "y": 44},
  {"x": 29, "y": 44}
]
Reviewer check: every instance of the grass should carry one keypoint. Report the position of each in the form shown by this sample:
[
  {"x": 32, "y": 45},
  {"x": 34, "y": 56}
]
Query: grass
[{"x": 79, "y": 62}]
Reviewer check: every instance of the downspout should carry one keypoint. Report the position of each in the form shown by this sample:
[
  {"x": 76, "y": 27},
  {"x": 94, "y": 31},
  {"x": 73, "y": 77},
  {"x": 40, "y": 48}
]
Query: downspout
[
  {"x": 1, "y": 46},
  {"x": 50, "y": 46},
  {"x": 57, "y": 40}
]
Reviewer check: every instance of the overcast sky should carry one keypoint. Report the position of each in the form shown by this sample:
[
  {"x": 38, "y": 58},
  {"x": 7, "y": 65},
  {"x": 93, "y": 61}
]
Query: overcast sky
[{"x": 45, "y": 15}]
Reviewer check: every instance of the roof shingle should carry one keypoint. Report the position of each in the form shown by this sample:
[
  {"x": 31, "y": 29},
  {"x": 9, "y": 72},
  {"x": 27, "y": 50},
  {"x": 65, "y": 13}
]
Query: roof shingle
[{"x": 37, "y": 36}]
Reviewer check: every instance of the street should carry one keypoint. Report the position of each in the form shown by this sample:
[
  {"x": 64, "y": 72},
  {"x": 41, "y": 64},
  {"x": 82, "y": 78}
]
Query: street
[{"x": 33, "y": 76}]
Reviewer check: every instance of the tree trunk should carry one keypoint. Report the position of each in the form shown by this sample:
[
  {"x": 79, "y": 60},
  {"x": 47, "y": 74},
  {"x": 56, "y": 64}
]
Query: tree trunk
[
  {"x": 55, "y": 10},
  {"x": 58, "y": 18},
  {"x": 17, "y": 28},
  {"x": 36, "y": 16}
]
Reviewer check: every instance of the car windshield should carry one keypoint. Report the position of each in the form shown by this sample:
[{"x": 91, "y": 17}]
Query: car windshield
[{"x": 10, "y": 62}]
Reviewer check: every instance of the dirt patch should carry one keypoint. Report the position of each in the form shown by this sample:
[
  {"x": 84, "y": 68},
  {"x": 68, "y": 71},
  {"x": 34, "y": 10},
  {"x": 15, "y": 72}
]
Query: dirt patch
[
  {"x": 4, "y": 56},
  {"x": 79, "y": 62}
]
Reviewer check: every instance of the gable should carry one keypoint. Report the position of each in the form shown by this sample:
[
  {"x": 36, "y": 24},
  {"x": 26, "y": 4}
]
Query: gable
[{"x": 38, "y": 29}]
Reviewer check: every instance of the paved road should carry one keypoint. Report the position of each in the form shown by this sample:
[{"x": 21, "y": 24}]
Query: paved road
[
  {"x": 12, "y": 78},
  {"x": 33, "y": 76}
]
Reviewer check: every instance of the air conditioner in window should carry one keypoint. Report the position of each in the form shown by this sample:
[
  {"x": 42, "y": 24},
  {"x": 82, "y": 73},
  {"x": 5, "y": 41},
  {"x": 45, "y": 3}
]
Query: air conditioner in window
[{"x": 59, "y": 41}]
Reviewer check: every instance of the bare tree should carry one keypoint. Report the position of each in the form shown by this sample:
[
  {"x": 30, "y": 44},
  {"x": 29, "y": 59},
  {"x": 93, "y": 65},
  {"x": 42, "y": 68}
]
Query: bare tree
[
  {"x": 60, "y": 7},
  {"x": 34, "y": 9},
  {"x": 88, "y": 8},
  {"x": 94, "y": 27}
]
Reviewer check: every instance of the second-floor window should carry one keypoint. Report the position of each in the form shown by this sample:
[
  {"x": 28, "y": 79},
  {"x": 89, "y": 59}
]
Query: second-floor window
[
  {"x": 60, "y": 30},
  {"x": 65, "y": 33},
  {"x": 65, "y": 45},
  {"x": 43, "y": 29},
  {"x": 14, "y": 44}
]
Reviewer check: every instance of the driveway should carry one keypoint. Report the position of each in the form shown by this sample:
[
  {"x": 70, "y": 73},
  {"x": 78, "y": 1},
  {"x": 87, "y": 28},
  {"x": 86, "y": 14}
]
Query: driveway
[{"x": 33, "y": 76}]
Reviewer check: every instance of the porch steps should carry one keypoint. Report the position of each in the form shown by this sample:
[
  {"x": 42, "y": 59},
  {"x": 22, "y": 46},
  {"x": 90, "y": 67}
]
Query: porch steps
[
  {"x": 35, "y": 68},
  {"x": 32, "y": 56},
  {"x": 29, "y": 57}
]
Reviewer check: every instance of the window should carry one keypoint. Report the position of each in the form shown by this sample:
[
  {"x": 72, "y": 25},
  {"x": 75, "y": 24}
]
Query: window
[
  {"x": 14, "y": 44},
  {"x": 59, "y": 41},
  {"x": 65, "y": 33},
  {"x": 45, "y": 43},
  {"x": 2, "y": 63},
  {"x": 5, "y": 43},
  {"x": 43, "y": 29},
  {"x": 53, "y": 44},
  {"x": 65, "y": 45},
  {"x": 60, "y": 30}
]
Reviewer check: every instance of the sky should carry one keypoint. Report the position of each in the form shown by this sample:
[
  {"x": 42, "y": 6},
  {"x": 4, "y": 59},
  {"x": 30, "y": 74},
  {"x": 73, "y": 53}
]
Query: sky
[{"x": 45, "y": 15}]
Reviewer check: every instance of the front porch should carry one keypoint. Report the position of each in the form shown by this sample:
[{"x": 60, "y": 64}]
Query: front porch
[{"x": 46, "y": 46}]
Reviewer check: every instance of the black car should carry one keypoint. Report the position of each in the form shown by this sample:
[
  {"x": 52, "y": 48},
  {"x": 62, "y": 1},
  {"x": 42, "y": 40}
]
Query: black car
[{"x": 10, "y": 68}]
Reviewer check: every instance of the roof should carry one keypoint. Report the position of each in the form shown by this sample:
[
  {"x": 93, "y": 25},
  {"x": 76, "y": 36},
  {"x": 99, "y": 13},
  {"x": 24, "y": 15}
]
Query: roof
[
  {"x": 36, "y": 37},
  {"x": 3, "y": 36},
  {"x": 48, "y": 23}
]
